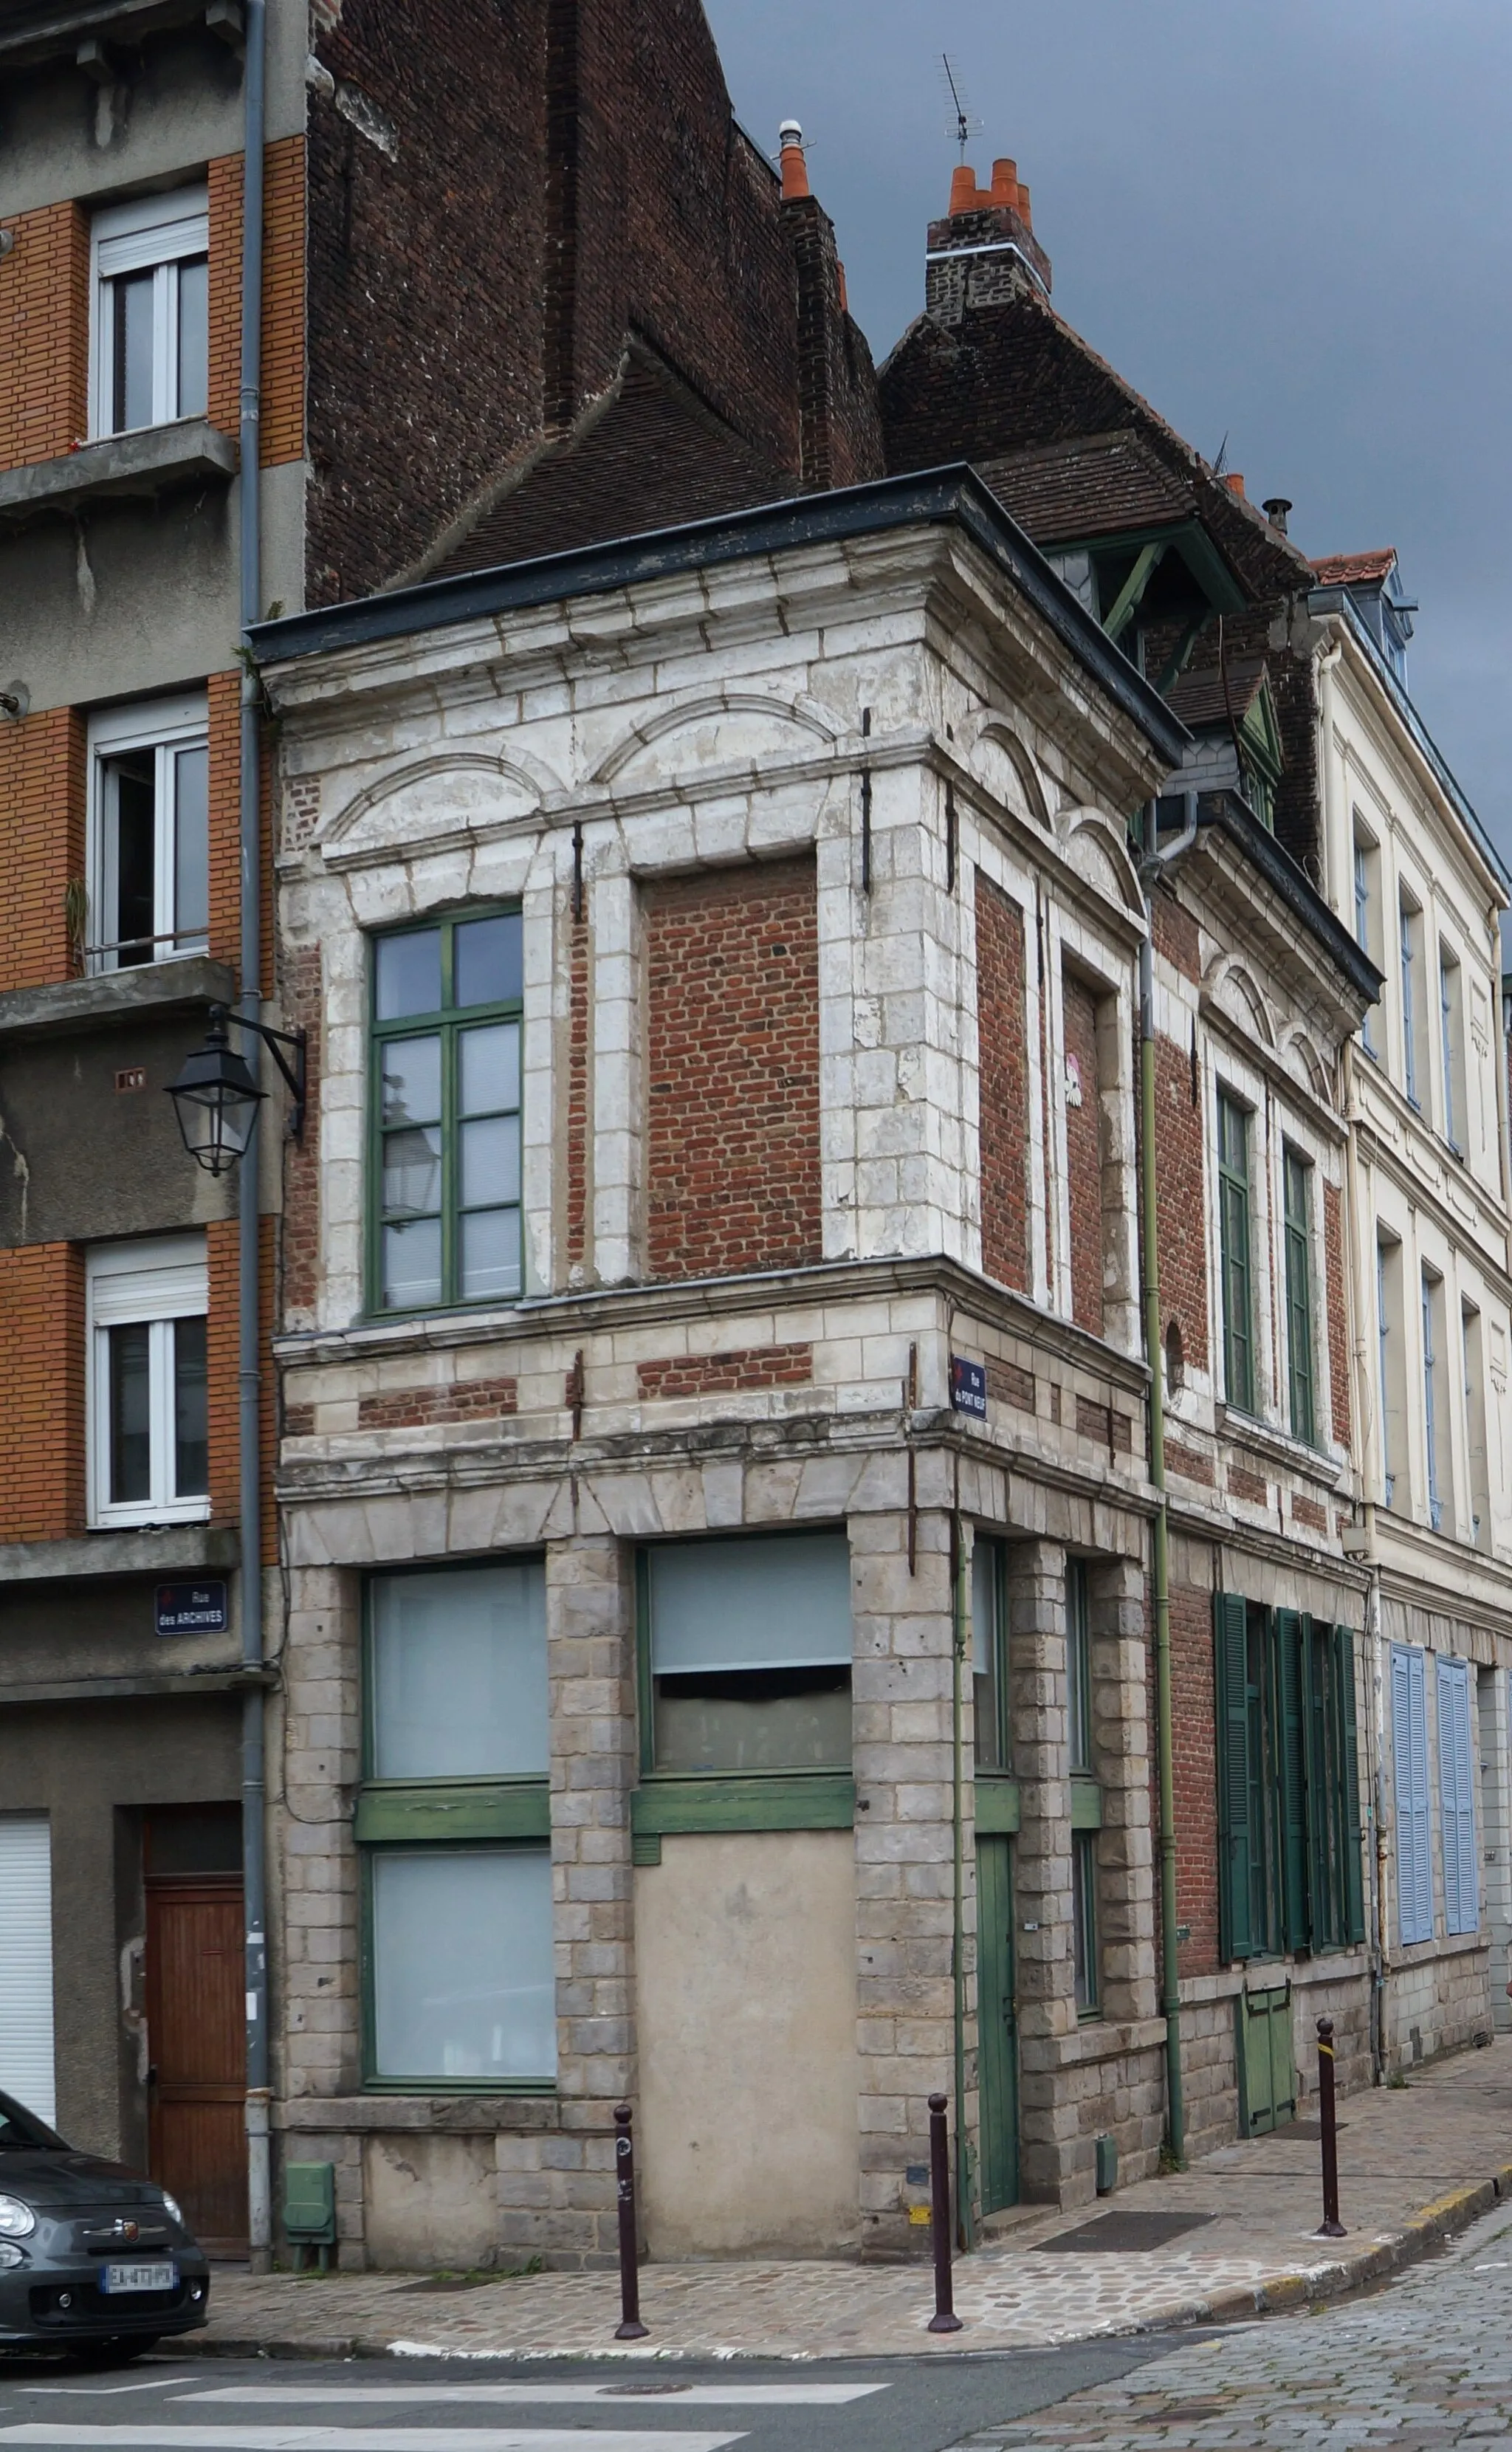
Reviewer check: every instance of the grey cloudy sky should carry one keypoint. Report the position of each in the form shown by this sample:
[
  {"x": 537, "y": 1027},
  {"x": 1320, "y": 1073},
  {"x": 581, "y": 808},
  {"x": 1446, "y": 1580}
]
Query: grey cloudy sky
[{"x": 1290, "y": 223}]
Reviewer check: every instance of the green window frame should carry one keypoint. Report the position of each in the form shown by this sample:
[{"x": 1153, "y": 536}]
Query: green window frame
[
  {"x": 1297, "y": 1234},
  {"x": 1085, "y": 1949},
  {"x": 445, "y": 1213},
  {"x": 793, "y": 1796},
  {"x": 467, "y": 1820},
  {"x": 1289, "y": 1837},
  {"x": 1235, "y": 1252}
]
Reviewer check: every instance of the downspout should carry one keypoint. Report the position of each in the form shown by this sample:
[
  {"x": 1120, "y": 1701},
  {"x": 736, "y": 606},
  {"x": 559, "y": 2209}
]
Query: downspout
[
  {"x": 1150, "y": 868},
  {"x": 259, "y": 2190},
  {"x": 966, "y": 2227}
]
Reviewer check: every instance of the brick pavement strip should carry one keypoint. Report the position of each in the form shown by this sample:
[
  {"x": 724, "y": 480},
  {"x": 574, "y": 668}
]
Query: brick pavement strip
[{"x": 1416, "y": 2165}]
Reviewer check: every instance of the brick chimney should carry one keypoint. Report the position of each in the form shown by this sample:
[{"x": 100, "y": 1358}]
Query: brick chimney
[
  {"x": 985, "y": 249},
  {"x": 840, "y": 439}
]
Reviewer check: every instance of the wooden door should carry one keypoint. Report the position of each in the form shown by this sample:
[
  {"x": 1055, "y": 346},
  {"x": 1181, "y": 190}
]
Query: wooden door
[
  {"x": 996, "y": 2022},
  {"x": 196, "y": 1993}
]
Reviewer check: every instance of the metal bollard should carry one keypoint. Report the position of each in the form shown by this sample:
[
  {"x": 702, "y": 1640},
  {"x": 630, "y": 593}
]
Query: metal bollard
[
  {"x": 630, "y": 2327},
  {"x": 945, "y": 2318},
  {"x": 1332, "y": 2227}
]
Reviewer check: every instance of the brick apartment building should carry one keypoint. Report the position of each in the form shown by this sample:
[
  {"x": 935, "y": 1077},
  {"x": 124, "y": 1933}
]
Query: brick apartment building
[
  {"x": 709, "y": 1650},
  {"x": 456, "y": 235}
]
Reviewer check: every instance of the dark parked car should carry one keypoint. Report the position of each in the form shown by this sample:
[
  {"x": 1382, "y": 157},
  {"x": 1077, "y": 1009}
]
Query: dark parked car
[{"x": 92, "y": 2259}]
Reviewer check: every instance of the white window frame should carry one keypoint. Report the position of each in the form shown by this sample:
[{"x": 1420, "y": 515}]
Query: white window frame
[
  {"x": 160, "y": 1281},
  {"x": 164, "y": 726},
  {"x": 155, "y": 232}
]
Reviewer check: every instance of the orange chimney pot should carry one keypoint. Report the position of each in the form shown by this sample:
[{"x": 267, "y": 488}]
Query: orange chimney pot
[
  {"x": 1235, "y": 483},
  {"x": 1023, "y": 213},
  {"x": 1005, "y": 185},
  {"x": 963, "y": 188},
  {"x": 795, "y": 167}
]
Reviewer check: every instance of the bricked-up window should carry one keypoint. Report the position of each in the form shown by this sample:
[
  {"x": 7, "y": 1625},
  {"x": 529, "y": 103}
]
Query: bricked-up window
[
  {"x": 991, "y": 1721},
  {"x": 149, "y": 335},
  {"x": 453, "y": 1826},
  {"x": 1297, "y": 1236},
  {"x": 149, "y": 1411},
  {"x": 746, "y": 1655},
  {"x": 1234, "y": 1233},
  {"x": 148, "y": 832},
  {"x": 445, "y": 1114},
  {"x": 1289, "y": 1875}
]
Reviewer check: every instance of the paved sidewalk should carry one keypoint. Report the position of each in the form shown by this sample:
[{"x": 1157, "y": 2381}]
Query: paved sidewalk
[{"x": 1416, "y": 2164}]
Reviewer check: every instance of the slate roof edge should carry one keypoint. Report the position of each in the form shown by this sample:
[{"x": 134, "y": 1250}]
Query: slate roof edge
[
  {"x": 953, "y": 493},
  {"x": 1296, "y": 889},
  {"x": 1336, "y": 598}
]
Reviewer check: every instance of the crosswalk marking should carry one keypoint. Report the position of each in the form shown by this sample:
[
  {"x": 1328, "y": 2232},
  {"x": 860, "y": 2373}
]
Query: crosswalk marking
[
  {"x": 647, "y": 2392},
  {"x": 163, "y": 2438}
]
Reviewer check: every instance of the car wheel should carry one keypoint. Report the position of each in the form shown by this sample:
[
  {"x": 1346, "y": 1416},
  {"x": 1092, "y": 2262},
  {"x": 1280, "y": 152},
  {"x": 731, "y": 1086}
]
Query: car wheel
[{"x": 117, "y": 2350}]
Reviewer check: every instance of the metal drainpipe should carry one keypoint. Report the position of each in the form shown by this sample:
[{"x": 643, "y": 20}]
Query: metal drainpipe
[
  {"x": 259, "y": 2191},
  {"x": 1151, "y": 867},
  {"x": 963, "y": 2211}
]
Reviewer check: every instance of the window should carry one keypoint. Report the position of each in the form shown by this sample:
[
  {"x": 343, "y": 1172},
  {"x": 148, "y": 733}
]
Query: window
[
  {"x": 746, "y": 1655},
  {"x": 1078, "y": 1667},
  {"x": 1451, "y": 1048},
  {"x": 1392, "y": 1363},
  {"x": 1409, "y": 1762},
  {"x": 445, "y": 1102},
  {"x": 990, "y": 1718},
  {"x": 1475, "y": 1426},
  {"x": 1457, "y": 1768},
  {"x": 1365, "y": 860},
  {"x": 453, "y": 1819},
  {"x": 148, "y": 826},
  {"x": 1083, "y": 1920},
  {"x": 1433, "y": 1426},
  {"x": 1233, "y": 1236},
  {"x": 150, "y": 327},
  {"x": 1289, "y": 1794},
  {"x": 148, "y": 1408},
  {"x": 1411, "y": 1017},
  {"x": 1297, "y": 1204}
]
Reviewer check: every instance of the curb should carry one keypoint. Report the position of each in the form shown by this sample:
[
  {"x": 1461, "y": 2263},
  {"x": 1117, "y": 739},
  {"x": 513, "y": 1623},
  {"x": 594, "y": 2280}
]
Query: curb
[{"x": 1277, "y": 2295}]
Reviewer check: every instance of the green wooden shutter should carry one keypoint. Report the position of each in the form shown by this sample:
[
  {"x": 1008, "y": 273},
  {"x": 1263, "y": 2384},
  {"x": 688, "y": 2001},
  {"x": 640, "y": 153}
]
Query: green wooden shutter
[
  {"x": 1235, "y": 1939},
  {"x": 1291, "y": 1647},
  {"x": 1353, "y": 1870}
]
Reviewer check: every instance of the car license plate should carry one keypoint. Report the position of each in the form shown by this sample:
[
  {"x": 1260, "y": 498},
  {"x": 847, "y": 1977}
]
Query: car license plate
[{"x": 139, "y": 2277}]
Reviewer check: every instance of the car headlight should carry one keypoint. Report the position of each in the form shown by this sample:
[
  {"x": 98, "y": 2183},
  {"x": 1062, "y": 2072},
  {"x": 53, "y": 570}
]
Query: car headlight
[
  {"x": 16, "y": 2219},
  {"x": 9, "y": 2255},
  {"x": 173, "y": 2211}
]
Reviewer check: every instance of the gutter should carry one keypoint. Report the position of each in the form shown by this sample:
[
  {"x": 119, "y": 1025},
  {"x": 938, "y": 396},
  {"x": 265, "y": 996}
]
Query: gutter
[
  {"x": 1234, "y": 818},
  {"x": 259, "y": 2095}
]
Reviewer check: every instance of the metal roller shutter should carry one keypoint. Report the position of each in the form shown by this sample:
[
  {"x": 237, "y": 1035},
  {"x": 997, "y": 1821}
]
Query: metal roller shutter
[{"x": 25, "y": 1963}]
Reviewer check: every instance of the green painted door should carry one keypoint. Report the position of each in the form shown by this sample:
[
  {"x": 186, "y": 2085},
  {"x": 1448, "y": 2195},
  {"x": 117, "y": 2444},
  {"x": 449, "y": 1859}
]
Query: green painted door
[
  {"x": 1267, "y": 2078},
  {"x": 998, "y": 2025}
]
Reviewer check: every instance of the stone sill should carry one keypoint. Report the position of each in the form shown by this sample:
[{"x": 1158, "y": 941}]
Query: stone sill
[
  {"x": 143, "y": 463},
  {"x": 147, "y": 990},
  {"x": 1094, "y": 2040},
  {"x": 1269, "y": 1974},
  {"x": 147, "y": 1550},
  {"x": 56, "y": 32},
  {"x": 188, "y": 1683},
  {"x": 512, "y": 2115}
]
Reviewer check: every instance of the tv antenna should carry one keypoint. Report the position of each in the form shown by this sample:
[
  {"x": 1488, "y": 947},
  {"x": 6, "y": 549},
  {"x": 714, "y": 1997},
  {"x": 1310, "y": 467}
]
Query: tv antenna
[{"x": 963, "y": 122}]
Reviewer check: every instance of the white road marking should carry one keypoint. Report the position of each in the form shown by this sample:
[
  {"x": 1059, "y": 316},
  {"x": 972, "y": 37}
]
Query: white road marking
[
  {"x": 350, "y": 2438},
  {"x": 698, "y": 2395},
  {"x": 104, "y": 2391}
]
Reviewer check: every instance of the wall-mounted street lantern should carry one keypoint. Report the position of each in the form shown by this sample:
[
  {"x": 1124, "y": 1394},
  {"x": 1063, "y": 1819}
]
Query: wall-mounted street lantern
[{"x": 216, "y": 1099}]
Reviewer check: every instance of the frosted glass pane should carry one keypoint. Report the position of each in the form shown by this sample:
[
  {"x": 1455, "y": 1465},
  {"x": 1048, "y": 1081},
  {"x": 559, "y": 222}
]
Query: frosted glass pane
[
  {"x": 194, "y": 336},
  {"x": 778, "y": 1604},
  {"x": 463, "y": 1969},
  {"x": 460, "y": 1672},
  {"x": 191, "y": 842}
]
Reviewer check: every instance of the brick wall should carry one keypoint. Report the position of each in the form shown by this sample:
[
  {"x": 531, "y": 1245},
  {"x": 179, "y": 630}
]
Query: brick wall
[
  {"x": 1003, "y": 1046},
  {"x": 282, "y": 362},
  {"x": 42, "y": 1392},
  {"x": 732, "y": 1071},
  {"x": 1181, "y": 1198},
  {"x": 44, "y": 335},
  {"x": 223, "y": 693},
  {"x": 578, "y": 1019},
  {"x": 723, "y": 1374},
  {"x": 42, "y": 782},
  {"x": 1084, "y": 1159},
  {"x": 1195, "y": 1751},
  {"x": 839, "y": 434},
  {"x": 299, "y": 1244},
  {"x": 459, "y": 1401},
  {"x": 1338, "y": 1311}
]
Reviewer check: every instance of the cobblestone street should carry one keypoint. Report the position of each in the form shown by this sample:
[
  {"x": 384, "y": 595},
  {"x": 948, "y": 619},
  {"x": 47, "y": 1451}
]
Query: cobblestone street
[{"x": 1426, "y": 2360}]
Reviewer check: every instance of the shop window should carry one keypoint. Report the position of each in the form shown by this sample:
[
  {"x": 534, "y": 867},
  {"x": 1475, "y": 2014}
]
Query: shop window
[
  {"x": 454, "y": 1820},
  {"x": 148, "y": 833},
  {"x": 150, "y": 323},
  {"x": 148, "y": 1409},
  {"x": 746, "y": 1655},
  {"x": 445, "y": 1114},
  {"x": 1288, "y": 1791}
]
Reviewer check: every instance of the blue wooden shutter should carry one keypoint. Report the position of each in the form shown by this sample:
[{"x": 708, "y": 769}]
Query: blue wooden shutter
[
  {"x": 1292, "y": 1644},
  {"x": 1353, "y": 1869},
  {"x": 1409, "y": 1753},
  {"x": 1462, "y": 1905},
  {"x": 1231, "y": 1675}
]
